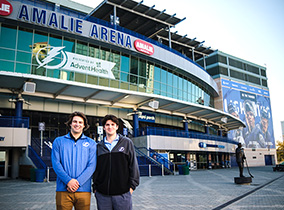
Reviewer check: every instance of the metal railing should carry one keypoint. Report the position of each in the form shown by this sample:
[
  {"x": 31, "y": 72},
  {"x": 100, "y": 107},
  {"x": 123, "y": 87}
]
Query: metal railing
[
  {"x": 150, "y": 163},
  {"x": 36, "y": 159},
  {"x": 15, "y": 122},
  {"x": 183, "y": 134}
]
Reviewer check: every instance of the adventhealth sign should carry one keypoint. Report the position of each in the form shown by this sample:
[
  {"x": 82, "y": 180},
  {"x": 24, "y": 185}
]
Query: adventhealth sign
[{"x": 75, "y": 62}]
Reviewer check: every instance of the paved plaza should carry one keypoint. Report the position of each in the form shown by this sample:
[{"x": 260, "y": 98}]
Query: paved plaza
[{"x": 201, "y": 189}]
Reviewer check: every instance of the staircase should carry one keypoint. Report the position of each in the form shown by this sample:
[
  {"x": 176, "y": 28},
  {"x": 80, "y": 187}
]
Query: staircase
[
  {"x": 148, "y": 166},
  {"x": 45, "y": 158}
]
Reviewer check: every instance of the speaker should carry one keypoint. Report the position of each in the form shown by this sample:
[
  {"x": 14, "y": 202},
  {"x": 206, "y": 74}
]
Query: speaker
[
  {"x": 29, "y": 87},
  {"x": 154, "y": 104}
]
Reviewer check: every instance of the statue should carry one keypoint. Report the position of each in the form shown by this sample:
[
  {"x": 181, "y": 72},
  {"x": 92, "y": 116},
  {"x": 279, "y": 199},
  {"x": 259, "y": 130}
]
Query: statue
[{"x": 240, "y": 157}]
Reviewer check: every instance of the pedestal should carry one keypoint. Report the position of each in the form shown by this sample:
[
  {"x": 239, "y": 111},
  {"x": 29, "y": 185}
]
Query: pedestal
[{"x": 243, "y": 180}]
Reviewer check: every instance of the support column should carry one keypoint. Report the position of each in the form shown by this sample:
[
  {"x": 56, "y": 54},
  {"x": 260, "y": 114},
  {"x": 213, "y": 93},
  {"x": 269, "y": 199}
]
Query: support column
[
  {"x": 220, "y": 132},
  {"x": 18, "y": 112},
  {"x": 185, "y": 126},
  {"x": 207, "y": 129},
  {"x": 19, "y": 108},
  {"x": 135, "y": 125},
  {"x": 170, "y": 41}
]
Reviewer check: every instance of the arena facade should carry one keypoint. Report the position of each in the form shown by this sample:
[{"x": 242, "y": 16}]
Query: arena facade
[{"x": 120, "y": 58}]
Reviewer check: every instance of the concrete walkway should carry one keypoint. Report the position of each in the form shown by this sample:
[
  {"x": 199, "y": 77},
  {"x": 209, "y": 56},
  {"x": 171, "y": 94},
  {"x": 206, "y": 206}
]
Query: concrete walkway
[{"x": 201, "y": 189}]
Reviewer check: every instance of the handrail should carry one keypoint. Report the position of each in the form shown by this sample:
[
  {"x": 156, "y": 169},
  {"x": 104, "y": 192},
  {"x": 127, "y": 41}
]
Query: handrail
[
  {"x": 156, "y": 162},
  {"x": 164, "y": 161},
  {"x": 36, "y": 159}
]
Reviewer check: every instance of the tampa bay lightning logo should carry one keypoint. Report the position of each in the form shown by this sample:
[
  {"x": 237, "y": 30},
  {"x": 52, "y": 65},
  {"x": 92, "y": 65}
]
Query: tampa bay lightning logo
[
  {"x": 52, "y": 53},
  {"x": 86, "y": 144},
  {"x": 121, "y": 149}
]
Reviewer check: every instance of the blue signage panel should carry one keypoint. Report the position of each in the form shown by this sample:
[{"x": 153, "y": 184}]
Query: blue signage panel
[{"x": 147, "y": 117}]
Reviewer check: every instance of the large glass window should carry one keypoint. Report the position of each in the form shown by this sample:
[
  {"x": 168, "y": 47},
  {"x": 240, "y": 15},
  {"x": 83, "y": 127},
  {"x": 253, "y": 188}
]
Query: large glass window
[
  {"x": 25, "y": 40},
  {"x": 55, "y": 41},
  {"x": 8, "y": 37},
  {"x": 134, "y": 70}
]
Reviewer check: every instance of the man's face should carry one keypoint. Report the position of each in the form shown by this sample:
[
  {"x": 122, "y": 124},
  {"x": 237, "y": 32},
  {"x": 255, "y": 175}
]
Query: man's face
[
  {"x": 250, "y": 119},
  {"x": 110, "y": 127},
  {"x": 77, "y": 125},
  {"x": 264, "y": 124}
]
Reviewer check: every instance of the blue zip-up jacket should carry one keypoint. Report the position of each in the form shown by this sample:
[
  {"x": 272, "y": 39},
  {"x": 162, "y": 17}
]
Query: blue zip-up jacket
[{"x": 74, "y": 160}]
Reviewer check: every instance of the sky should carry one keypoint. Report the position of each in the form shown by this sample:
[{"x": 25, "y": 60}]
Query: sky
[{"x": 248, "y": 29}]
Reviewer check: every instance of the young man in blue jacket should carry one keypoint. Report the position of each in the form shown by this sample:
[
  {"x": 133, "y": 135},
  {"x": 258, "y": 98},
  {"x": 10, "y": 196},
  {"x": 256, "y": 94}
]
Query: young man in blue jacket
[
  {"x": 74, "y": 162},
  {"x": 117, "y": 172}
]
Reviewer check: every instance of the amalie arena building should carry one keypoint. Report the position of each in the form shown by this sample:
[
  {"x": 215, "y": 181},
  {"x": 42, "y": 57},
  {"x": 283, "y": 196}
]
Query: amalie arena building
[{"x": 122, "y": 58}]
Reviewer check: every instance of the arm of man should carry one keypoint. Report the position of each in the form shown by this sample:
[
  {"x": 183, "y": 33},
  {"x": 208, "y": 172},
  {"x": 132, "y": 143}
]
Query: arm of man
[
  {"x": 56, "y": 163},
  {"x": 133, "y": 168},
  {"x": 91, "y": 167}
]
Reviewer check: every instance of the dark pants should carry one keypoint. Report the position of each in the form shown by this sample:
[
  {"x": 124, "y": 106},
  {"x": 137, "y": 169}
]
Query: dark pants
[
  {"x": 241, "y": 168},
  {"x": 114, "y": 202}
]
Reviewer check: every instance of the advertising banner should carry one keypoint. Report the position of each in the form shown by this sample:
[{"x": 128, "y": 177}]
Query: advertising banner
[{"x": 252, "y": 106}]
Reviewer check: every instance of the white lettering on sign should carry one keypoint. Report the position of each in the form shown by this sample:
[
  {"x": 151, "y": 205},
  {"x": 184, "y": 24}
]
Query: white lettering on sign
[{"x": 144, "y": 47}]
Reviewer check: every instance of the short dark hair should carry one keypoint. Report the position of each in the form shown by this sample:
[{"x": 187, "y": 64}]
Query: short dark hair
[
  {"x": 110, "y": 117},
  {"x": 79, "y": 114}
]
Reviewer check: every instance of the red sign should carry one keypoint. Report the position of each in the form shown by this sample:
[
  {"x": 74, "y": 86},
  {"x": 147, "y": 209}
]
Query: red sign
[
  {"x": 5, "y": 8},
  {"x": 144, "y": 47}
]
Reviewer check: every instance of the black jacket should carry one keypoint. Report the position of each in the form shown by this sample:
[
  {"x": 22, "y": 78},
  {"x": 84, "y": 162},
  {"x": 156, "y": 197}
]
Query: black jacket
[{"x": 117, "y": 170}]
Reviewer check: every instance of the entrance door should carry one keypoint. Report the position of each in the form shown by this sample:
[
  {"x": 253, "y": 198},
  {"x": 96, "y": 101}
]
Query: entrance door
[
  {"x": 268, "y": 160},
  {"x": 3, "y": 164}
]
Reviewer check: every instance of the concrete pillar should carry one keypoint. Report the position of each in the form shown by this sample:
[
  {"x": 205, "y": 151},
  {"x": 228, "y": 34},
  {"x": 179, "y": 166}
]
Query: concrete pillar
[
  {"x": 15, "y": 163},
  {"x": 135, "y": 125}
]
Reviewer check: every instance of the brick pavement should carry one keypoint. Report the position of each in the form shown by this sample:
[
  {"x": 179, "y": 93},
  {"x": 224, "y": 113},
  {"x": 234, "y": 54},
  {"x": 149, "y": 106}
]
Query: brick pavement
[{"x": 201, "y": 189}]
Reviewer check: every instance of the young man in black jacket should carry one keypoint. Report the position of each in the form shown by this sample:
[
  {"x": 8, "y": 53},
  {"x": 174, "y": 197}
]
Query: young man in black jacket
[{"x": 117, "y": 172}]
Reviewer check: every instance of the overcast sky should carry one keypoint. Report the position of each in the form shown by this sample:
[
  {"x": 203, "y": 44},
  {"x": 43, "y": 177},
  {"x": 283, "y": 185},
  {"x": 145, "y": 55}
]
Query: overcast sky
[{"x": 249, "y": 29}]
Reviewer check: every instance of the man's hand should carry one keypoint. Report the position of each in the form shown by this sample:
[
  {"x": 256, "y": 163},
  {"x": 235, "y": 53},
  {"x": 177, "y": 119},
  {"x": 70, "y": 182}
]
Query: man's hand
[
  {"x": 131, "y": 191},
  {"x": 73, "y": 185}
]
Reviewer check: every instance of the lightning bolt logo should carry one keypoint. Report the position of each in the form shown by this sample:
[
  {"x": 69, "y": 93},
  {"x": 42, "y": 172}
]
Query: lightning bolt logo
[{"x": 50, "y": 57}]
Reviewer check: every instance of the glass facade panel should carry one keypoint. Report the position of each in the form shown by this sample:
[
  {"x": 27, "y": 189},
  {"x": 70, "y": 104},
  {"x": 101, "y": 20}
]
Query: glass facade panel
[
  {"x": 8, "y": 37},
  {"x": 69, "y": 45},
  {"x": 25, "y": 39},
  {"x": 7, "y": 54},
  {"x": 24, "y": 57},
  {"x": 55, "y": 73},
  {"x": 124, "y": 64},
  {"x": 6, "y": 66},
  {"x": 40, "y": 40},
  {"x": 23, "y": 68},
  {"x": 55, "y": 41}
]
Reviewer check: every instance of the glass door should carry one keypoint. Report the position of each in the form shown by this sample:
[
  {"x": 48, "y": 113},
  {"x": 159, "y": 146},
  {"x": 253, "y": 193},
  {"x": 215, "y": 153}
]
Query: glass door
[{"x": 3, "y": 164}]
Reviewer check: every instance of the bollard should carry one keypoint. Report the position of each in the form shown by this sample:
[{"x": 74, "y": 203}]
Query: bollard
[
  {"x": 149, "y": 170},
  {"x": 47, "y": 175}
]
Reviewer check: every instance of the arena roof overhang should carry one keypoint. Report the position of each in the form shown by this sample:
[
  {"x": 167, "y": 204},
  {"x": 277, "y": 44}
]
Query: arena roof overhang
[
  {"x": 151, "y": 23},
  {"x": 12, "y": 83}
]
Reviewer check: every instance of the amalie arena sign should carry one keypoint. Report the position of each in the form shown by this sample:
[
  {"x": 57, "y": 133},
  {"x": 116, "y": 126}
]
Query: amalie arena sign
[{"x": 50, "y": 19}]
